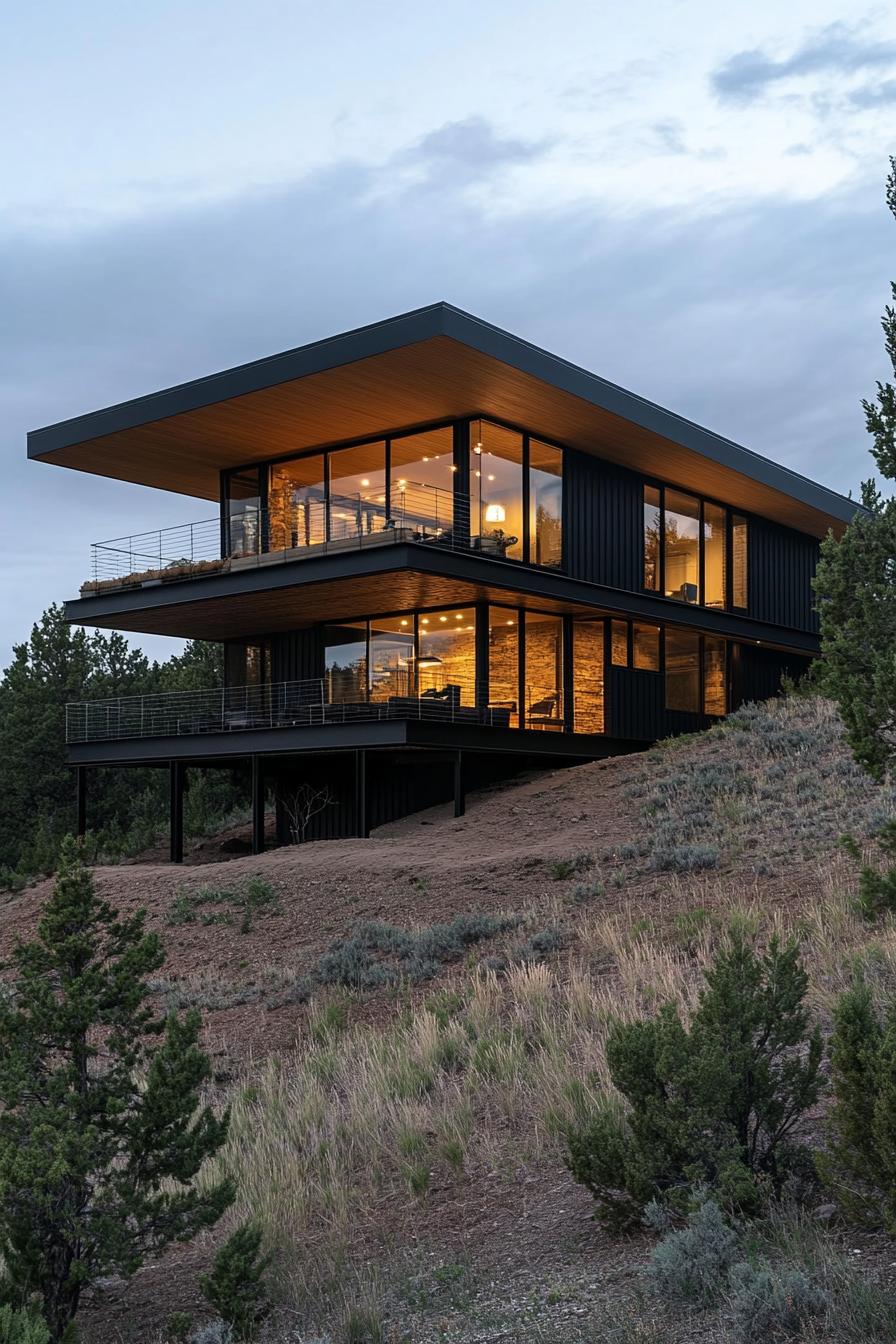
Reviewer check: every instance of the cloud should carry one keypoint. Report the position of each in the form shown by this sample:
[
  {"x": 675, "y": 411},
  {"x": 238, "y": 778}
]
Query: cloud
[
  {"x": 669, "y": 136},
  {"x": 836, "y": 49},
  {"x": 470, "y": 150},
  {"x": 877, "y": 96},
  {"x": 760, "y": 321}
]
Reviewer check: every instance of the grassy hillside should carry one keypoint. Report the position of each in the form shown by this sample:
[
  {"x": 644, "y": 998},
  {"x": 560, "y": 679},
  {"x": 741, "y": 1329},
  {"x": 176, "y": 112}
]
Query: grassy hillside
[{"x": 404, "y": 1026}]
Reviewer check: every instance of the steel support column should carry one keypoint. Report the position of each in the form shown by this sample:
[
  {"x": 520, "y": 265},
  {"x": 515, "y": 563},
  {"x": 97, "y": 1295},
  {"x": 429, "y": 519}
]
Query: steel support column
[
  {"x": 362, "y": 824},
  {"x": 176, "y": 809},
  {"x": 257, "y": 806},
  {"x": 81, "y": 794},
  {"x": 460, "y": 797}
]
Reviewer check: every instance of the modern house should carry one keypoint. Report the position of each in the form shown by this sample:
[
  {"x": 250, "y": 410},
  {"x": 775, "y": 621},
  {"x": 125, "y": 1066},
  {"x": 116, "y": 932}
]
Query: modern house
[{"x": 435, "y": 554}]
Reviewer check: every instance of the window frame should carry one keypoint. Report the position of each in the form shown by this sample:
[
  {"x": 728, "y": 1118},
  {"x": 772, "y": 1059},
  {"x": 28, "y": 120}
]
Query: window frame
[
  {"x": 702, "y": 500},
  {"x": 461, "y": 449}
]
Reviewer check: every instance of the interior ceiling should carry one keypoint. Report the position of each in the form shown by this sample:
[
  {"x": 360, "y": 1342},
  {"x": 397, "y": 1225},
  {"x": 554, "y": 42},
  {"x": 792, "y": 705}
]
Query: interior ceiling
[
  {"x": 433, "y": 379},
  {"x": 254, "y": 615}
]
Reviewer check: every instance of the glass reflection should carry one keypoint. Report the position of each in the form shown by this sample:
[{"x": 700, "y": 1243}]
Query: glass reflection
[
  {"x": 296, "y": 503},
  {"x": 357, "y": 491},
  {"x": 544, "y": 671},
  {"x": 545, "y": 504},
  {"x": 504, "y": 661},
  {"x": 682, "y": 547},
  {"x": 496, "y": 489}
]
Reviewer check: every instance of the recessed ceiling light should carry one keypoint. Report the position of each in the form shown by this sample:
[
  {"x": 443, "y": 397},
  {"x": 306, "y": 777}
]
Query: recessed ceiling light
[{"x": 443, "y": 618}]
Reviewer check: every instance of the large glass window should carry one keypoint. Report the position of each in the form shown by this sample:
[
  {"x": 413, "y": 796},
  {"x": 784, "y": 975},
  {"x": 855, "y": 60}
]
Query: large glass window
[
  {"x": 619, "y": 643},
  {"x": 345, "y": 663},
  {"x": 738, "y": 561},
  {"x": 422, "y": 489},
  {"x": 297, "y": 503},
  {"x": 681, "y": 547},
  {"x": 714, "y": 694},
  {"x": 496, "y": 489},
  {"x": 504, "y": 661},
  {"x": 588, "y": 676},
  {"x": 652, "y": 525},
  {"x": 646, "y": 647},
  {"x": 447, "y": 658},
  {"x": 357, "y": 491},
  {"x": 683, "y": 671},
  {"x": 694, "y": 551},
  {"x": 543, "y": 681},
  {"x": 715, "y": 561},
  {"x": 393, "y": 666},
  {"x": 545, "y": 504},
  {"x": 244, "y": 512}
]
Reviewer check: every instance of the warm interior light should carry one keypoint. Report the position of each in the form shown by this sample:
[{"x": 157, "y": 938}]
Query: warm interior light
[
  {"x": 458, "y": 617},
  {"x": 490, "y": 478},
  {"x": 404, "y": 622},
  {"x": 429, "y": 660},
  {"x": 365, "y": 482},
  {"x": 510, "y": 622},
  {"x": 495, "y": 513},
  {"x": 443, "y": 618},
  {"x": 478, "y": 448},
  {"x": 426, "y": 620}
]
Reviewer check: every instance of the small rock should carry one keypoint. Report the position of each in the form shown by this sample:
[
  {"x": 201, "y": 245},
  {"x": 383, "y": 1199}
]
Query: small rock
[{"x": 825, "y": 1212}]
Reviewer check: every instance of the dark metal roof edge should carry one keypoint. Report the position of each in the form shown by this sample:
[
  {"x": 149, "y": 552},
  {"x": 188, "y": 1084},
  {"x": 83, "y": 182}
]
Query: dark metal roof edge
[
  {"x": 580, "y": 382},
  {"x": 330, "y": 353},
  {"x": 419, "y": 325}
]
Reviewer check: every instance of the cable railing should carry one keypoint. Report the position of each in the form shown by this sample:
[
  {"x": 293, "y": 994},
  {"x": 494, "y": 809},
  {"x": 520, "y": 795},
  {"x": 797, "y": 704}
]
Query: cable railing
[
  {"x": 292, "y": 529},
  {"x": 308, "y": 703}
]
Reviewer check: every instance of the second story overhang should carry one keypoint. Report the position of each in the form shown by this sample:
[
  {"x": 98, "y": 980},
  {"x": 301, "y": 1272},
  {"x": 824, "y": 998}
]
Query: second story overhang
[
  {"x": 435, "y": 364},
  {"x": 262, "y": 599}
]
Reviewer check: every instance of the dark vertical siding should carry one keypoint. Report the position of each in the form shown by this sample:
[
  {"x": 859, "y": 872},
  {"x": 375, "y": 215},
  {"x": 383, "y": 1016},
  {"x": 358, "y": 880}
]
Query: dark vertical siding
[
  {"x": 781, "y": 568},
  {"x": 637, "y": 707},
  {"x": 603, "y": 522},
  {"x": 756, "y": 673},
  {"x": 297, "y": 655}
]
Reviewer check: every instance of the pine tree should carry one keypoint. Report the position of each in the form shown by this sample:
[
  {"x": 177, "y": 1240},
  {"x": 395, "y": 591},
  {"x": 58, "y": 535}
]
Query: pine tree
[
  {"x": 856, "y": 586},
  {"x": 235, "y": 1287},
  {"x": 713, "y": 1105},
  {"x": 97, "y": 1170},
  {"x": 859, "y": 1163}
]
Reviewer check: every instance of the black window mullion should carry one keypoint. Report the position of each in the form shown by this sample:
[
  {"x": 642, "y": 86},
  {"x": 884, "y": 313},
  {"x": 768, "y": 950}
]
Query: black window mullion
[
  {"x": 387, "y": 452},
  {"x": 701, "y": 557},
  {"x": 326, "y": 496},
  {"x": 526, "y": 538},
  {"x": 521, "y": 667}
]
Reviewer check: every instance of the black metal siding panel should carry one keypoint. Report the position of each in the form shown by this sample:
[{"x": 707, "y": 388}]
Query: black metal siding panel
[
  {"x": 756, "y": 673},
  {"x": 781, "y": 569},
  {"x": 603, "y": 522},
  {"x": 297, "y": 655},
  {"x": 637, "y": 707}
]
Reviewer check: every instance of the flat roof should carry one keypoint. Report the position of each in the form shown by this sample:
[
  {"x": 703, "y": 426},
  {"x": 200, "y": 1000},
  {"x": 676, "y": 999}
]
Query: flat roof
[{"x": 435, "y": 363}]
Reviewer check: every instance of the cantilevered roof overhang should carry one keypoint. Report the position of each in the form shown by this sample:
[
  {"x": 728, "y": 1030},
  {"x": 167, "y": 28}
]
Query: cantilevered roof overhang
[{"x": 436, "y": 363}]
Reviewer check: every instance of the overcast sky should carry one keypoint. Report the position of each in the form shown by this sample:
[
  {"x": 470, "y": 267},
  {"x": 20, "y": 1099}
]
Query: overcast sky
[{"x": 686, "y": 198}]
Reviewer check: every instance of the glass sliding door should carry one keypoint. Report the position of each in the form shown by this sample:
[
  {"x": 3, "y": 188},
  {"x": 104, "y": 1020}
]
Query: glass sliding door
[
  {"x": 588, "y": 676},
  {"x": 543, "y": 679},
  {"x": 357, "y": 491},
  {"x": 244, "y": 512},
  {"x": 422, "y": 482},
  {"x": 683, "y": 689},
  {"x": 496, "y": 489},
  {"x": 681, "y": 547},
  {"x": 715, "y": 555},
  {"x": 545, "y": 504},
  {"x": 297, "y": 504},
  {"x": 446, "y": 659},
  {"x": 504, "y": 661},
  {"x": 392, "y": 658},
  {"x": 652, "y": 526},
  {"x": 345, "y": 663}
]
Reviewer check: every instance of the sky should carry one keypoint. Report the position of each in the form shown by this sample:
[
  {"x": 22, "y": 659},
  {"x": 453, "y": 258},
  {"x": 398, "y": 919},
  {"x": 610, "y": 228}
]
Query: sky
[{"x": 685, "y": 198}]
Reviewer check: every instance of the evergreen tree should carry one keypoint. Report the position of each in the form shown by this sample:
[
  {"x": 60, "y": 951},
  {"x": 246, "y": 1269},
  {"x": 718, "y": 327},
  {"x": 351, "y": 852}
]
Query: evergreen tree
[
  {"x": 97, "y": 1170},
  {"x": 713, "y": 1105},
  {"x": 235, "y": 1287},
  {"x": 856, "y": 586},
  {"x": 859, "y": 1163}
]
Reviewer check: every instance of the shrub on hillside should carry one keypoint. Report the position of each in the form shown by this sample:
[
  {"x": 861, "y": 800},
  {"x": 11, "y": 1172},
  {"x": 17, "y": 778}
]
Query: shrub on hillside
[
  {"x": 22, "y": 1327},
  {"x": 377, "y": 954},
  {"x": 235, "y": 1287},
  {"x": 877, "y": 887},
  {"x": 691, "y": 1264},
  {"x": 715, "y": 1103},
  {"x": 859, "y": 1164},
  {"x": 769, "y": 1307}
]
